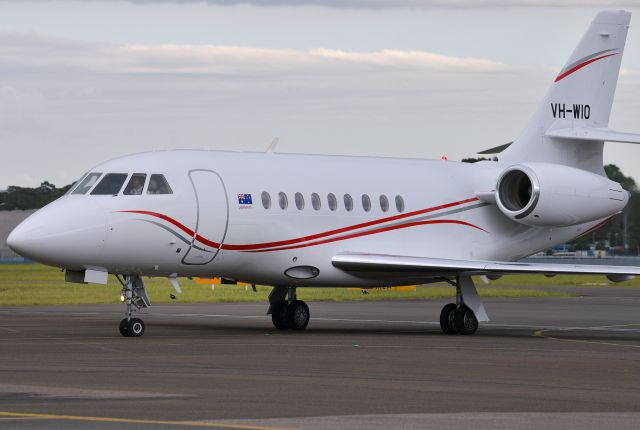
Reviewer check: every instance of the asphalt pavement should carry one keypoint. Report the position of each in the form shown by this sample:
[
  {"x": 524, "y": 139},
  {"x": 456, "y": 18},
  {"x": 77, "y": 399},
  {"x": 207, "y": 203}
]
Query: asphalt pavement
[{"x": 540, "y": 363}]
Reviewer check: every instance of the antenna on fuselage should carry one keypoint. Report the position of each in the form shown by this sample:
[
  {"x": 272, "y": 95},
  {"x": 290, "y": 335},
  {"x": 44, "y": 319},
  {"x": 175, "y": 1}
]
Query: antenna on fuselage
[{"x": 271, "y": 149}]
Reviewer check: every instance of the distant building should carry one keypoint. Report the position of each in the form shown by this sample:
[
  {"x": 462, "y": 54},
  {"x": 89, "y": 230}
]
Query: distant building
[{"x": 8, "y": 221}]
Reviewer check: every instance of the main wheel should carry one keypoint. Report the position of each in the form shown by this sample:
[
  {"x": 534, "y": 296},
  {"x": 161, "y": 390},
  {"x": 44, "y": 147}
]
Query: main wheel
[
  {"x": 298, "y": 315},
  {"x": 136, "y": 327},
  {"x": 124, "y": 328},
  {"x": 448, "y": 319},
  {"x": 279, "y": 315},
  {"x": 465, "y": 320}
]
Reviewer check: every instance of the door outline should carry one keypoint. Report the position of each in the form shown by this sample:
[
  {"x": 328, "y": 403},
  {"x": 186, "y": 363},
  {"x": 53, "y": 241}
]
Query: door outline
[{"x": 226, "y": 225}]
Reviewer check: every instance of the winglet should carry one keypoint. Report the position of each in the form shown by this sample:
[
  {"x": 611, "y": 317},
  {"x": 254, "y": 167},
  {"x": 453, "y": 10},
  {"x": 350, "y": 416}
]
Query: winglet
[{"x": 271, "y": 149}]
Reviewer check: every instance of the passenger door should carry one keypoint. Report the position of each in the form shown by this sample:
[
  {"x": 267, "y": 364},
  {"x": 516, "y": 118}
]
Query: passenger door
[{"x": 211, "y": 217}]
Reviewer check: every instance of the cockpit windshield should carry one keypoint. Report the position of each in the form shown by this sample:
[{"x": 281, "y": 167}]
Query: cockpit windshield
[
  {"x": 135, "y": 185},
  {"x": 110, "y": 184},
  {"x": 158, "y": 185},
  {"x": 75, "y": 184},
  {"x": 86, "y": 184}
]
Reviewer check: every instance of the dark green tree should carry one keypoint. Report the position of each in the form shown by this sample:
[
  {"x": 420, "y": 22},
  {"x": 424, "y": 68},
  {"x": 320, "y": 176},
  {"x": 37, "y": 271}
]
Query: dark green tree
[
  {"x": 30, "y": 198},
  {"x": 473, "y": 160},
  {"x": 582, "y": 244},
  {"x": 615, "y": 174}
]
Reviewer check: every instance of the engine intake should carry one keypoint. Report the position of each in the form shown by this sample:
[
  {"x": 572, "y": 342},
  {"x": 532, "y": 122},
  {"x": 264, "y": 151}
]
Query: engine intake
[
  {"x": 518, "y": 190},
  {"x": 545, "y": 194}
]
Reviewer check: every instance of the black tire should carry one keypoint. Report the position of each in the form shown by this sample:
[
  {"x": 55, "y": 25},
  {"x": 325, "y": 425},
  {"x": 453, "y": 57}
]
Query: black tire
[
  {"x": 136, "y": 327},
  {"x": 466, "y": 321},
  {"x": 279, "y": 315},
  {"x": 448, "y": 319},
  {"x": 124, "y": 328},
  {"x": 298, "y": 315}
]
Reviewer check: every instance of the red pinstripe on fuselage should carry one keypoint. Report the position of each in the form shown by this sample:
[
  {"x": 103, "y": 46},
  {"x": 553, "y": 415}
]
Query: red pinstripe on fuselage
[{"x": 323, "y": 237}]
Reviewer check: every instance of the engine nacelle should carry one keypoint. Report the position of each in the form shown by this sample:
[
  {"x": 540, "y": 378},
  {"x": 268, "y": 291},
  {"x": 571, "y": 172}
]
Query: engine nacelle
[{"x": 545, "y": 194}]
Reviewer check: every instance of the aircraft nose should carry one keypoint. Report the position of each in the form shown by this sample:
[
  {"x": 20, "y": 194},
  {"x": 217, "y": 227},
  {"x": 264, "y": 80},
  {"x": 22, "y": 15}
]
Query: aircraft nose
[
  {"x": 17, "y": 239},
  {"x": 66, "y": 233}
]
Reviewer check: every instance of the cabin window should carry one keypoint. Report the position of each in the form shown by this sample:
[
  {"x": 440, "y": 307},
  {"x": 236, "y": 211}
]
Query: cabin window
[
  {"x": 158, "y": 185},
  {"x": 315, "y": 201},
  {"x": 86, "y": 184},
  {"x": 366, "y": 203},
  {"x": 384, "y": 203},
  {"x": 332, "y": 201},
  {"x": 399, "y": 203},
  {"x": 135, "y": 185},
  {"x": 266, "y": 200},
  {"x": 299, "y": 198},
  {"x": 283, "y": 201},
  {"x": 348, "y": 202},
  {"x": 110, "y": 184}
]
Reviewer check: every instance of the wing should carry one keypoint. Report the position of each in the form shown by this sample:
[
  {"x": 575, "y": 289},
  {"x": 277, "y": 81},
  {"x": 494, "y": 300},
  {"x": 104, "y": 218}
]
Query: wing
[{"x": 419, "y": 267}]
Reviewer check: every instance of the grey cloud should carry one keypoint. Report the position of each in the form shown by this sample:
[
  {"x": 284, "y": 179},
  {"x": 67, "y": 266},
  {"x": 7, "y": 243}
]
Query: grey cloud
[{"x": 379, "y": 4}]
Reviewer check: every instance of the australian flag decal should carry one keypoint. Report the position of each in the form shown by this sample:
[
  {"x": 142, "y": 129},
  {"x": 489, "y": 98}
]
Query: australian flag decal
[{"x": 245, "y": 199}]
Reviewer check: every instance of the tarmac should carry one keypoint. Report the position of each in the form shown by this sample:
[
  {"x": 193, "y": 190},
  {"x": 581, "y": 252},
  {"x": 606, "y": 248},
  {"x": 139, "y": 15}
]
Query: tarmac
[{"x": 540, "y": 363}]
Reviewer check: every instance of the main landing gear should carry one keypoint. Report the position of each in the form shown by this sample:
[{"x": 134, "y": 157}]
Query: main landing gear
[
  {"x": 462, "y": 317},
  {"x": 134, "y": 295},
  {"x": 288, "y": 313}
]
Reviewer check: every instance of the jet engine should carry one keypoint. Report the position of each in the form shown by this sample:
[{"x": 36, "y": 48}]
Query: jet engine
[{"x": 550, "y": 195}]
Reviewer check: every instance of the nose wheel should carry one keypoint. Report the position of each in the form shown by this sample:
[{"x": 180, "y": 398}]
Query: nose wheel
[
  {"x": 133, "y": 327},
  {"x": 134, "y": 295}
]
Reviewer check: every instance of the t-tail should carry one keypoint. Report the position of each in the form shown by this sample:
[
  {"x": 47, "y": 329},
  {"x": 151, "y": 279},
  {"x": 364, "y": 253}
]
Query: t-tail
[{"x": 571, "y": 124}]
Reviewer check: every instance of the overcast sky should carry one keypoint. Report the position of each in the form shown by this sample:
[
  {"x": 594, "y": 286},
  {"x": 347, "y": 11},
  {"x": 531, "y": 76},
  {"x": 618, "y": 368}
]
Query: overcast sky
[{"x": 85, "y": 81}]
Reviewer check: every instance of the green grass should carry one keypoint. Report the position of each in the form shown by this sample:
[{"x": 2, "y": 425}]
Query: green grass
[
  {"x": 561, "y": 281},
  {"x": 35, "y": 284}
]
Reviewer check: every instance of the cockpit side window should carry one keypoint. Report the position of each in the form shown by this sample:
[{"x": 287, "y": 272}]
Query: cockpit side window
[
  {"x": 86, "y": 184},
  {"x": 135, "y": 185},
  {"x": 110, "y": 184},
  {"x": 158, "y": 185},
  {"x": 75, "y": 184}
]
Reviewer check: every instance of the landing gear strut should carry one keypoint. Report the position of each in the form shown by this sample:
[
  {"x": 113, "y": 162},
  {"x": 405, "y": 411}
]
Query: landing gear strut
[
  {"x": 462, "y": 317},
  {"x": 134, "y": 295},
  {"x": 286, "y": 311}
]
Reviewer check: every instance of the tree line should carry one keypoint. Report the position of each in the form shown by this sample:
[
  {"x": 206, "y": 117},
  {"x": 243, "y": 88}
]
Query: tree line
[{"x": 23, "y": 198}]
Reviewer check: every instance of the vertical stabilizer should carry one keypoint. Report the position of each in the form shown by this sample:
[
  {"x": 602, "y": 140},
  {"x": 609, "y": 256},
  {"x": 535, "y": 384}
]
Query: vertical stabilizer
[{"x": 580, "y": 96}]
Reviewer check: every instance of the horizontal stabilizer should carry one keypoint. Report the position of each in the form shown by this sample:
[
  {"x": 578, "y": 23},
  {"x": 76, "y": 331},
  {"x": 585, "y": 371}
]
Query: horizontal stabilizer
[
  {"x": 594, "y": 134},
  {"x": 380, "y": 263},
  {"x": 496, "y": 149}
]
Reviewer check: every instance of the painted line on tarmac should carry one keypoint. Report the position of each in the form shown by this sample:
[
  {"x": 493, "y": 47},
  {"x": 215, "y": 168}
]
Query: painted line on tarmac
[
  {"x": 610, "y": 328},
  {"x": 540, "y": 329},
  {"x": 135, "y": 421},
  {"x": 3, "y": 419},
  {"x": 365, "y": 321}
]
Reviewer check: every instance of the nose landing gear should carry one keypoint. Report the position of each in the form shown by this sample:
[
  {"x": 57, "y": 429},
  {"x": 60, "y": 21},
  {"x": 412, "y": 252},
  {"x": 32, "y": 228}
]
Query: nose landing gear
[
  {"x": 288, "y": 314},
  {"x": 135, "y": 297}
]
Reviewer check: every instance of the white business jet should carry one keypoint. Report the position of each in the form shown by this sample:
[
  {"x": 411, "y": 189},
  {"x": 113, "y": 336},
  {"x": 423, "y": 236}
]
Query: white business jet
[{"x": 295, "y": 221}]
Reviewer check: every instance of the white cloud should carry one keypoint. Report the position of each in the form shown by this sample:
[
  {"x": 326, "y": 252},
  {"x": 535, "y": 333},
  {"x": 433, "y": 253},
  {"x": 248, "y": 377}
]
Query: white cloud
[
  {"x": 31, "y": 51},
  {"x": 66, "y": 106}
]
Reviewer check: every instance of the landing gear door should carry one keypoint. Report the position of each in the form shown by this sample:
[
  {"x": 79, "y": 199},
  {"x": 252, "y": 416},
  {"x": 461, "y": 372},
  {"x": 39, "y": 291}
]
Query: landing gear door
[{"x": 211, "y": 217}]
